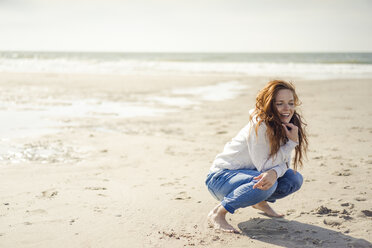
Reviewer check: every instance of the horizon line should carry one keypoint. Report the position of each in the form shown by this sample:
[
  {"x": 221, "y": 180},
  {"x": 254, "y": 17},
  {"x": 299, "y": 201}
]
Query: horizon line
[{"x": 181, "y": 52}]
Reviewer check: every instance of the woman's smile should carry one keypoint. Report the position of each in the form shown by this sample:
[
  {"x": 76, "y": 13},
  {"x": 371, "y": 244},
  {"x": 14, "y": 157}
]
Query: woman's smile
[{"x": 284, "y": 103}]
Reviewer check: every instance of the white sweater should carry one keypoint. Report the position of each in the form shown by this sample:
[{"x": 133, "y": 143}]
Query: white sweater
[{"x": 248, "y": 151}]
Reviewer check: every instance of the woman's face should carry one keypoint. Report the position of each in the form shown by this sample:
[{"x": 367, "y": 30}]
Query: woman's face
[{"x": 285, "y": 106}]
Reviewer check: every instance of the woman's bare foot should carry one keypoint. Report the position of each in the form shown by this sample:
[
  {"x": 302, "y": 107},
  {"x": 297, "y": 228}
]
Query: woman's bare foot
[
  {"x": 265, "y": 207},
  {"x": 217, "y": 219}
]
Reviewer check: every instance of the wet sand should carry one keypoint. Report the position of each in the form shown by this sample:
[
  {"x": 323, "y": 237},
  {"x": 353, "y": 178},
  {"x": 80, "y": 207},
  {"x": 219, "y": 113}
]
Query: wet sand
[{"x": 98, "y": 178}]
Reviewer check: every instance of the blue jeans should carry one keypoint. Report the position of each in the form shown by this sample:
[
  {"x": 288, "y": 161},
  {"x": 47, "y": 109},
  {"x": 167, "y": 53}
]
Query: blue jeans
[{"x": 234, "y": 188}]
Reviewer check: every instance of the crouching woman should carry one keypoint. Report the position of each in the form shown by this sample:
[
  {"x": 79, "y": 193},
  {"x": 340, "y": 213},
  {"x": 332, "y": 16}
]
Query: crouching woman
[{"x": 253, "y": 168}]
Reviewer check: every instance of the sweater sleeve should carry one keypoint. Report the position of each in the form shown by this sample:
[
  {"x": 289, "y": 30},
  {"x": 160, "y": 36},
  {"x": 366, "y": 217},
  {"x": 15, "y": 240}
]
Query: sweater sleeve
[
  {"x": 280, "y": 169},
  {"x": 259, "y": 150}
]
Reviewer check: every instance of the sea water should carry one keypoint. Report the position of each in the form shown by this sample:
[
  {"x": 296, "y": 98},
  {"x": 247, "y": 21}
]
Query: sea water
[{"x": 301, "y": 65}]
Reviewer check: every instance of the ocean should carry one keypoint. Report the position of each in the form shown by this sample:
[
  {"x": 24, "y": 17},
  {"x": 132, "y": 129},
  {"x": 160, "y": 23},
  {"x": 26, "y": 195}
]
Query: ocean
[{"x": 300, "y": 65}]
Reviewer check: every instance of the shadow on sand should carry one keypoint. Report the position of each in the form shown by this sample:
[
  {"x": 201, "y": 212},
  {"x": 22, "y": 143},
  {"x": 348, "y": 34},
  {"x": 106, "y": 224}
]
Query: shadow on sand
[{"x": 293, "y": 234}]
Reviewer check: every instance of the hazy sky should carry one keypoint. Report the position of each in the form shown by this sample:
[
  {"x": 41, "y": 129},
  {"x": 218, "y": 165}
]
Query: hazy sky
[{"x": 186, "y": 25}]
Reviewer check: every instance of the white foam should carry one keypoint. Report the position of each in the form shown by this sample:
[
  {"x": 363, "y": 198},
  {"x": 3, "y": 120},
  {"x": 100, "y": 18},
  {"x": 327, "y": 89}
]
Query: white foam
[
  {"x": 219, "y": 92},
  {"x": 16, "y": 123},
  {"x": 131, "y": 66},
  {"x": 47, "y": 152}
]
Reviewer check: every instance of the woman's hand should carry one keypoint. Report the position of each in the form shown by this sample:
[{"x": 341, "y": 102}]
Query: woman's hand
[
  {"x": 291, "y": 131},
  {"x": 267, "y": 179}
]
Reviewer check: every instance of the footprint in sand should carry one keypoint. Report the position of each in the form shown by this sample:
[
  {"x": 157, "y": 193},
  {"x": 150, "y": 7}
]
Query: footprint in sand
[
  {"x": 36, "y": 211},
  {"x": 181, "y": 235},
  {"x": 358, "y": 129},
  {"x": 182, "y": 196},
  {"x": 72, "y": 221},
  {"x": 49, "y": 193},
  {"x": 367, "y": 213},
  {"x": 95, "y": 188},
  {"x": 176, "y": 182},
  {"x": 332, "y": 222},
  {"x": 168, "y": 184},
  {"x": 291, "y": 211},
  {"x": 347, "y": 204},
  {"x": 318, "y": 157},
  {"x": 344, "y": 173},
  {"x": 349, "y": 187},
  {"x": 358, "y": 198},
  {"x": 99, "y": 209},
  {"x": 322, "y": 210},
  {"x": 221, "y": 132}
]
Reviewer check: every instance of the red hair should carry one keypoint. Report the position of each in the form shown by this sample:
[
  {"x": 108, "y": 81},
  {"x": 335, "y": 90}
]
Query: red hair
[{"x": 266, "y": 112}]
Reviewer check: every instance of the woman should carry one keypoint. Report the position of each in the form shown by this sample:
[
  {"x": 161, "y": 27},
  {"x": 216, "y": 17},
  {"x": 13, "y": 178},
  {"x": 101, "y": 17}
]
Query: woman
[{"x": 253, "y": 168}]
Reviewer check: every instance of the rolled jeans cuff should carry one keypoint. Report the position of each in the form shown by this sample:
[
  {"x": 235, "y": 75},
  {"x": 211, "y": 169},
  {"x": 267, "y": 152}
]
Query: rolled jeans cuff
[{"x": 228, "y": 207}]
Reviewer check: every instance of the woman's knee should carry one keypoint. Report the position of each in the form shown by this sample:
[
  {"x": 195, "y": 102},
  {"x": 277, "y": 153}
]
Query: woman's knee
[
  {"x": 298, "y": 180},
  {"x": 290, "y": 182},
  {"x": 295, "y": 179}
]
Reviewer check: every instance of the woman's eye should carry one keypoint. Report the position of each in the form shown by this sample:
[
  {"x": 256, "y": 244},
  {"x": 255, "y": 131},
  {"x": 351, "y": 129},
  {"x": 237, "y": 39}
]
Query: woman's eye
[{"x": 291, "y": 104}]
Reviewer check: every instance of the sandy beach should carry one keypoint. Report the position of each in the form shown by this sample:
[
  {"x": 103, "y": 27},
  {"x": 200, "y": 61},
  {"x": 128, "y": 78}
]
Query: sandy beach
[{"x": 121, "y": 160}]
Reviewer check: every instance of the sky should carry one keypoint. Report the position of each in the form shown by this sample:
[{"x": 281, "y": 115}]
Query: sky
[{"x": 186, "y": 25}]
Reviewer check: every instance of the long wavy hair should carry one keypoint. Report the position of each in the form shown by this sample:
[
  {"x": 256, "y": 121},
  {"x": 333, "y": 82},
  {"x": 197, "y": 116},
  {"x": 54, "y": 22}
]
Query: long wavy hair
[{"x": 266, "y": 112}]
